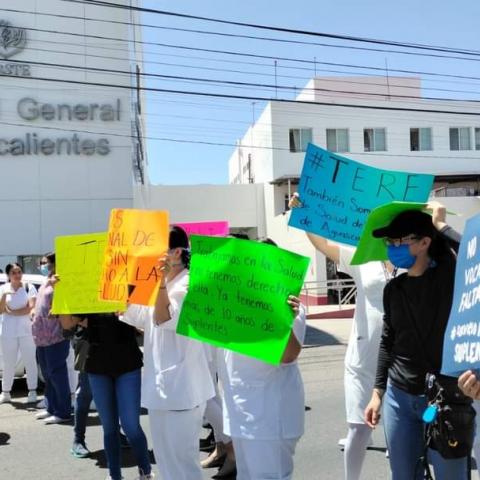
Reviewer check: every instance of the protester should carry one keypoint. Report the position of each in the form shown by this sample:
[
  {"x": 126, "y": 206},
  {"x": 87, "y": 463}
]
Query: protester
[
  {"x": 113, "y": 363},
  {"x": 176, "y": 380},
  {"x": 17, "y": 301},
  {"x": 417, "y": 306},
  {"x": 362, "y": 351},
  {"x": 264, "y": 407},
  {"x": 52, "y": 350}
]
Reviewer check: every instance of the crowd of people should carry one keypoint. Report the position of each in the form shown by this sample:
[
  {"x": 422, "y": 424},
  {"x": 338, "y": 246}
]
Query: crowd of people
[{"x": 256, "y": 410}]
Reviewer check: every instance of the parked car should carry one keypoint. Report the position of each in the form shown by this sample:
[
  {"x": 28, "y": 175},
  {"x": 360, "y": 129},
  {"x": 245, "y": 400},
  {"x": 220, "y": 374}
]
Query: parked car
[{"x": 36, "y": 281}]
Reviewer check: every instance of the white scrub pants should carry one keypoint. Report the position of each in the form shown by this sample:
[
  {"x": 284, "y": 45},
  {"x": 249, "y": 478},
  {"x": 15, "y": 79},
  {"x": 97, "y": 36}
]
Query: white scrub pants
[
  {"x": 214, "y": 416},
  {"x": 10, "y": 348},
  {"x": 264, "y": 459},
  {"x": 175, "y": 436}
]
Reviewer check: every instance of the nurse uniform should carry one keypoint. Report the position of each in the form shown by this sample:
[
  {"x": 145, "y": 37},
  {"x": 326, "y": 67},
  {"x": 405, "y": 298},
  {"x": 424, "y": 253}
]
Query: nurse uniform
[
  {"x": 176, "y": 385},
  {"x": 264, "y": 412}
]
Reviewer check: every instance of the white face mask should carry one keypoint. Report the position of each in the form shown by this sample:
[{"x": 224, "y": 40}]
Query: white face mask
[{"x": 44, "y": 270}]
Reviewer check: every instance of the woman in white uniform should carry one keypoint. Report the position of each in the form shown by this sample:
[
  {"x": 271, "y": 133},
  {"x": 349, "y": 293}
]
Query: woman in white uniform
[
  {"x": 17, "y": 301},
  {"x": 176, "y": 380},
  {"x": 362, "y": 351},
  {"x": 264, "y": 407}
]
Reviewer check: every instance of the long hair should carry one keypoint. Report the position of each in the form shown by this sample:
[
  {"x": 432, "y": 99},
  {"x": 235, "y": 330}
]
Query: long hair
[{"x": 178, "y": 238}]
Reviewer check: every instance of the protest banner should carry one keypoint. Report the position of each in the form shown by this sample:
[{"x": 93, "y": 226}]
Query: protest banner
[
  {"x": 237, "y": 296},
  {"x": 370, "y": 248},
  {"x": 79, "y": 260},
  {"x": 461, "y": 347},
  {"x": 136, "y": 239},
  {"x": 218, "y": 229},
  {"x": 338, "y": 193}
]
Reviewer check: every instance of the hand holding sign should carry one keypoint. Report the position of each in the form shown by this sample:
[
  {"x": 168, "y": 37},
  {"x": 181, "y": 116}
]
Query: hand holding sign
[{"x": 338, "y": 194}]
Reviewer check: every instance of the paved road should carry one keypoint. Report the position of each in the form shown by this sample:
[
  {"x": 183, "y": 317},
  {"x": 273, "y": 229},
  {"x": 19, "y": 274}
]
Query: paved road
[{"x": 31, "y": 450}]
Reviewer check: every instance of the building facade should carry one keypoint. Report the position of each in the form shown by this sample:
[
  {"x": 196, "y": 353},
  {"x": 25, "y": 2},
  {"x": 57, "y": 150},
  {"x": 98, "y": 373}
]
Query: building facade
[{"x": 71, "y": 126}]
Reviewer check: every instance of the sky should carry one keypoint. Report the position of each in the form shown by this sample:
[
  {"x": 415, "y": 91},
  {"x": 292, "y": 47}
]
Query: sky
[{"x": 174, "y": 122}]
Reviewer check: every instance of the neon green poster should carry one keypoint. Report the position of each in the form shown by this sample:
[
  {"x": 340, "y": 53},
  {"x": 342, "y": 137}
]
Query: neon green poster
[
  {"x": 237, "y": 297},
  {"x": 370, "y": 248},
  {"x": 79, "y": 261}
]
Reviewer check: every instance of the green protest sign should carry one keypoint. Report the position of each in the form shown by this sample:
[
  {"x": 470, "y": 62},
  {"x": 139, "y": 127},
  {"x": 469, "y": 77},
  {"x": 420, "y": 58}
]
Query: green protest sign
[
  {"x": 79, "y": 260},
  {"x": 237, "y": 296},
  {"x": 370, "y": 248}
]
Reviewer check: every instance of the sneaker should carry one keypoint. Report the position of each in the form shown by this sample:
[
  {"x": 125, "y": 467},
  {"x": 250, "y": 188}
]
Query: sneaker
[
  {"x": 53, "y": 419},
  {"x": 41, "y": 404},
  {"x": 32, "y": 396},
  {"x": 145, "y": 477},
  {"x": 79, "y": 450},
  {"x": 5, "y": 397},
  {"x": 42, "y": 415}
]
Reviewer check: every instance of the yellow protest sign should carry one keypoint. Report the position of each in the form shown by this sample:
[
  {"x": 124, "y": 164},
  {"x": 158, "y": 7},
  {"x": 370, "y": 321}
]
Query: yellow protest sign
[
  {"x": 79, "y": 260},
  {"x": 136, "y": 238}
]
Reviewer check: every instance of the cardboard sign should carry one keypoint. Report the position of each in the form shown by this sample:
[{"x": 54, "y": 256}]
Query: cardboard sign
[
  {"x": 218, "y": 229},
  {"x": 136, "y": 239},
  {"x": 338, "y": 194},
  {"x": 79, "y": 260},
  {"x": 370, "y": 248},
  {"x": 237, "y": 297},
  {"x": 461, "y": 348}
]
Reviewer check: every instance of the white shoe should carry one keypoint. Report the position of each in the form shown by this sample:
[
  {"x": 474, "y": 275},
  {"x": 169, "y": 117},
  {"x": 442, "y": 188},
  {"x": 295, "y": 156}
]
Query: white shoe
[
  {"x": 32, "y": 396},
  {"x": 343, "y": 441},
  {"x": 42, "y": 415},
  {"x": 41, "y": 404},
  {"x": 52, "y": 420},
  {"x": 5, "y": 397}
]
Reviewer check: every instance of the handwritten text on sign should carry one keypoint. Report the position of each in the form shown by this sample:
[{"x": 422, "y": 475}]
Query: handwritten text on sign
[
  {"x": 218, "y": 229},
  {"x": 79, "y": 260},
  {"x": 461, "y": 348},
  {"x": 136, "y": 239},
  {"x": 337, "y": 194},
  {"x": 237, "y": 297}
]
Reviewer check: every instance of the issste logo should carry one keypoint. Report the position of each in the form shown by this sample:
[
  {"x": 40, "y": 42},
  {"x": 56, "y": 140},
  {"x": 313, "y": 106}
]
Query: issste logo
[{"x": 12, "y": 39}]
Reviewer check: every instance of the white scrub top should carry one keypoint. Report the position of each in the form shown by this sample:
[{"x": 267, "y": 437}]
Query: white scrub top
[
  {"x": 362, "y": 352},
  {"x": 262, "y": 401},
  {"x": 175, "y": 374},
  {"x": 12, "y": 326}
]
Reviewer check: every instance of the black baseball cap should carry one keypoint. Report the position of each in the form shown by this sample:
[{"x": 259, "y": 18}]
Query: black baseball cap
[{"x": 409, "y": 222}]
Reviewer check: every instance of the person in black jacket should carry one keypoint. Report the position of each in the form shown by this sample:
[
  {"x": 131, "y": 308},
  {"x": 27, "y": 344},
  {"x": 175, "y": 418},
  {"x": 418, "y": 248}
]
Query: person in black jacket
[{"x": 417, "y": 306}]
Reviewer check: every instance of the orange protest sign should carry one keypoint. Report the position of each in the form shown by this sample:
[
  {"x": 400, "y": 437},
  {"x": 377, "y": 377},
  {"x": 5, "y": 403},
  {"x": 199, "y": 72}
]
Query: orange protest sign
[{"x": 136, "y": 238}]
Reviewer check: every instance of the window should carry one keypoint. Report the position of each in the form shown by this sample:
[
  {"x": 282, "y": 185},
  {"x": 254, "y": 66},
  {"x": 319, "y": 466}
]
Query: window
[
  {"x": 460, "y": 138},
  {"x": 477, "y": 138},
  {"x": 299, "y": 139},
  {"x": 337, "y": 140},
  {"x": 420, "y": 139},
  {"x": 374, "y": 140}
]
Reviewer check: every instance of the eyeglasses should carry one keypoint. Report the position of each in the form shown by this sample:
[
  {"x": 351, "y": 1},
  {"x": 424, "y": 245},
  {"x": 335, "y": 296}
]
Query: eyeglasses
[{"x": 396, "y": 242}]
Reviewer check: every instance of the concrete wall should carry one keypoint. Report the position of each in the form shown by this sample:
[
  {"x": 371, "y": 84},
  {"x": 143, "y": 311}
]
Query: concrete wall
[{"x": 65, "y": 189}]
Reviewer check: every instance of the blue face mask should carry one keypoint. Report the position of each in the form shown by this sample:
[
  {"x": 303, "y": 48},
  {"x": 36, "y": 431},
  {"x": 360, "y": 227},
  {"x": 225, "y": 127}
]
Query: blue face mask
[
  {"x": 400, "y": 256},
  {"x": 44, "y": 270}
]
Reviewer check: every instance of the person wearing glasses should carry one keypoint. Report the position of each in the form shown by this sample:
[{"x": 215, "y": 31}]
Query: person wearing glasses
[
  {"x": 17, "y": 301},
  {"x": 417, "y": 306}
]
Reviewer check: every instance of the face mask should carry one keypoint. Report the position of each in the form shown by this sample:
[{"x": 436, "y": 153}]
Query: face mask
[
  {"x": 400, "y": 256},
  {"x": 44, "y": 270}
]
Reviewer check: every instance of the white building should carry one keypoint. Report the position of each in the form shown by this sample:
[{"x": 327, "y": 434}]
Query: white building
[
  {"x": 69, "y": 151},
  {"x": 388, "y": 134}
]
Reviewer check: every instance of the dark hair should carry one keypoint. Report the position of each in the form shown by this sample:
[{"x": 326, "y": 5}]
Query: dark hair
[
  {"x": 268, "y": 241},
  {"x": 9, "y": 267},
  {"x": 178, "y": 238},
  {"x": 241, "y": 236},
  {"x": 439, "y": 249},
  {"x": 50, "y": 257}
]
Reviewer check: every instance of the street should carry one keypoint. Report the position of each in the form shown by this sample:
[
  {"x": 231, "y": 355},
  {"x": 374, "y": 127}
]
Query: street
[{"x": 31, "y": 450}]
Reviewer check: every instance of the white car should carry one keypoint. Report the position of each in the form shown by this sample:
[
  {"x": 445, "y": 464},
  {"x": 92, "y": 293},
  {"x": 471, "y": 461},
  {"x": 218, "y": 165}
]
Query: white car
[{"x": 36, "y": 281}]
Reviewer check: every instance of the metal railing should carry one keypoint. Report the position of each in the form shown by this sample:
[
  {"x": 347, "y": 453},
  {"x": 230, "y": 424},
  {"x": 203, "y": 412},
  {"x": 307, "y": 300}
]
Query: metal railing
[{"x": 345, "y": 290}]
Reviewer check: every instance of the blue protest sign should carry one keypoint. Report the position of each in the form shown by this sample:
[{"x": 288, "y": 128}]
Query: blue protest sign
[
  {"x": 461, "y": 347},
  {"x": 338, "y": 193}
]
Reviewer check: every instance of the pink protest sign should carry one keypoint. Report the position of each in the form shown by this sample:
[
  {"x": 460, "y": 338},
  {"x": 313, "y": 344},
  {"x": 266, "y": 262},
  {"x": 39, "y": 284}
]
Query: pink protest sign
[{"x": 219, "y": 229}]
